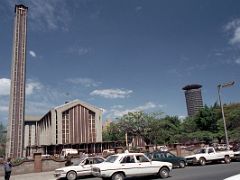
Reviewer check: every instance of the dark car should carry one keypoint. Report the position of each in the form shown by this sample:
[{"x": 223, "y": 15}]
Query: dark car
[
  {"x": 167, "y": 157},
  {"x": 236, "y": 153}
]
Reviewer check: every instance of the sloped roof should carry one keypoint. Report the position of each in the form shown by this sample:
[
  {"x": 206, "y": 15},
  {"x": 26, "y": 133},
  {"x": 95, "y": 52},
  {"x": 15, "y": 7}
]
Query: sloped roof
[{"x": 76, "y": 102}]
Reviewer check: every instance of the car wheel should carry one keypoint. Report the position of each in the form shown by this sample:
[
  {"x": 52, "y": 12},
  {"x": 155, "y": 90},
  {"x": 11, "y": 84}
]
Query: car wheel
[
  {"x": 71, "y": 175},
  {"x": 227, "y": 159},
  {"x": 202, "y": 161},
  {"x": 164, "y": 172},
  {"x": 118, "y": 176},
  {"x": 104, "y": 178},
  {"x": 182, "y": 164}
]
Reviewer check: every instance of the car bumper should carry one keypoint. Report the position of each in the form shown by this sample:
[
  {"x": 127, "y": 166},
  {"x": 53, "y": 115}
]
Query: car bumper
[
  {"x": 59, "y": 175},
  {"x": 236, "y": 157},
  {"x": 191, "y": 161}
]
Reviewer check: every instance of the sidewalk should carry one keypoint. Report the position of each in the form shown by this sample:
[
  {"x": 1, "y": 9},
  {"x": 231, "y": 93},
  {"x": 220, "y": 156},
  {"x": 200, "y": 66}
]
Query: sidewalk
[{"x": 33, "y": 176}]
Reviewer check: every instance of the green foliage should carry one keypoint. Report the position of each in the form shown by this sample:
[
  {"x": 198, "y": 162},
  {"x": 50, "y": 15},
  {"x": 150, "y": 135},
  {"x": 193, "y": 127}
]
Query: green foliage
[
  {"x": 2, "y": 134},
  {"x": 206, "y": 119},
  {"x": 113, "y": 132},
  {"x": 2, "y": 139},
  {"x": 206, "y": 126}
]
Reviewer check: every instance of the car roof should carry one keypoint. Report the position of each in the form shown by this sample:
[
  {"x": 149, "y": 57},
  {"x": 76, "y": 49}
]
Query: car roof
[{"x": 125, "y": 154}]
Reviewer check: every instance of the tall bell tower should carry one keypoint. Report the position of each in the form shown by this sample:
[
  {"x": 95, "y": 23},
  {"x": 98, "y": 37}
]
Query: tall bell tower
[{"x": 15, "y": 130}]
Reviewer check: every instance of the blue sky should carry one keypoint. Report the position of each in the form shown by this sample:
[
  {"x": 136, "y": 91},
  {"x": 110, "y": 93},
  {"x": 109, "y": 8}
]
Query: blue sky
[{"x": 123, "y": 55}]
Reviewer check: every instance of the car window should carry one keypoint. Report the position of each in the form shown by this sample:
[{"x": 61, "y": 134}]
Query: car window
[
  {"x": 149, "y": 155},
  {"x": 111, "y": 159},
  {"x": 210, "y": 151},
  {"x": 88, "y": 161},
  {"x": 169, "y": 155},
  {"x": 128, "y": 159},
  {"x": 199, "y": 151},
  {"x": 98, "y": 160},
  {"x": 159, "y": 155},
  {"x": 141, "y": 158},
  {"x": 77, "y": 162}
]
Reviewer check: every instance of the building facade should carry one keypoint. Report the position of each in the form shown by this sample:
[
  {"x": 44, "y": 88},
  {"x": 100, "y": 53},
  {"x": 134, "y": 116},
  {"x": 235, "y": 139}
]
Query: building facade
[
  {"x": 15, "y": 130},
  {"x": 193, "y": 98},
  {"x": 74, "y": 122}
]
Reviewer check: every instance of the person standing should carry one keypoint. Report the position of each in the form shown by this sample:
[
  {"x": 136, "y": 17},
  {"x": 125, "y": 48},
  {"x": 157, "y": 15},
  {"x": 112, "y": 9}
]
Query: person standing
[{"x": 8, "y": 169}]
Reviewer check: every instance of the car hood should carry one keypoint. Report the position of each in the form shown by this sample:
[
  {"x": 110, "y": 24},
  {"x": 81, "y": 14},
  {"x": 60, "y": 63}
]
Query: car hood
[
  {"x": 68, "y": 168},
  {"x": 235, "y": 177},
  {"x": 191, "y": 156}
]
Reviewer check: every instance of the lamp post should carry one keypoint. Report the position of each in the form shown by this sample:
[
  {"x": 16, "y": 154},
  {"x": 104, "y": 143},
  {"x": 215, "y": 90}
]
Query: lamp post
[{"x": 228, "y": 84}]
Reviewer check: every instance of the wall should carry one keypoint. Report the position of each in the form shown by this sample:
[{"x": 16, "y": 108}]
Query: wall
[{"x": 27, "y": 166}]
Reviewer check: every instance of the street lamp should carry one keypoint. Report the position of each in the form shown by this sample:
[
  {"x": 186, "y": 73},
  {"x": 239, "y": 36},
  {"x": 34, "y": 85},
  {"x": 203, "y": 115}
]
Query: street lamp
[{"x": 228, "y": 84}]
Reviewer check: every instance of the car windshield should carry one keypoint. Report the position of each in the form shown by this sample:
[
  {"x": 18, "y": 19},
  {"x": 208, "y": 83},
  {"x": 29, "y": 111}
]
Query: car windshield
[
  {"x": 111, "y": 159},
  {"x": 200, "y": 151},
  {"x": 76, "y": 162}
]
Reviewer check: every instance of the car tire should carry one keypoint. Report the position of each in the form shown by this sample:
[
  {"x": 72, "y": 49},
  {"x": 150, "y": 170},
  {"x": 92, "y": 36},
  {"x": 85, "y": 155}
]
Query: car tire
[
  {"x": 105, "y": 178},
  {"x": 71, "y": 175},
  {"x": 227, "y": 159},
  {"x": 118, "y": 176},
  {"x": 182, "y": 164},
  {"x": 163, "y": 172},
  {"x": 202, "y": 161}
]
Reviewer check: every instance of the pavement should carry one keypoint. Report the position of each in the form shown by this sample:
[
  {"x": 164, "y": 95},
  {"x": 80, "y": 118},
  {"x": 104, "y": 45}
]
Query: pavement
[{"x": 33, "y": 176}]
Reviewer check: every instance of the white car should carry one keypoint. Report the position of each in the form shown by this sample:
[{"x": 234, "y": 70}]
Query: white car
[
  {"x": 235, "y": 177},
  {"x": 208, "y": 154},
  {"x": 81, "y": 167},
  {"x": 120, "y": 166}
]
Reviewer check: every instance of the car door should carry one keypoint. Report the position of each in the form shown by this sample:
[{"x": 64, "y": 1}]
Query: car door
[
  {"x": 86, "y": 167},
  {"x": 129, "y": 166},
  {"x": 160, "y": 156},
  {"x": 171, "y": 158},
  {"x": 145, "y": 166},
  {"x": 211, "y": 155}
]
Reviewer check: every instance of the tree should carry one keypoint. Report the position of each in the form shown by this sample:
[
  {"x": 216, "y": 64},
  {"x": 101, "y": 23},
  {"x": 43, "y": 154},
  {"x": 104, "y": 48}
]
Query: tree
[
  {"x": 141, "y": 124},
  {"x": 2, "y": 139},
  {"x": 113, "y": 132},
  {"x": 206, "y": 119}
]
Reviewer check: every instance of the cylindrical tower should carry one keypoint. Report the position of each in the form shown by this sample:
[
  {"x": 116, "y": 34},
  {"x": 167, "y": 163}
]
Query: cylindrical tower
[{"x": 193, "y": 98}]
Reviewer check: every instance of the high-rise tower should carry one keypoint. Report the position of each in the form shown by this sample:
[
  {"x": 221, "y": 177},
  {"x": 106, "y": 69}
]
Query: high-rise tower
[
  {"x": 14, "y": 145},
  {"x": 193, "y": 98}
]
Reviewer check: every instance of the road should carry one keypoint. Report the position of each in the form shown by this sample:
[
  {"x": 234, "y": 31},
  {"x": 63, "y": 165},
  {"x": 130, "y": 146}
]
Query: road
[{"x": 208, "y": 172}]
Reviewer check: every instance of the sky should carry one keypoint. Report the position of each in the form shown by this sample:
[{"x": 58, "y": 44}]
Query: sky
[{"x": 123, "y": 56}]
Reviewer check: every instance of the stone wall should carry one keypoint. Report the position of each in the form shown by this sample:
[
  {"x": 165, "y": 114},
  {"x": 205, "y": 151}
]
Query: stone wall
[
  {"x": 28, "y": 166},
  {"x": 51, "y": 165},
  {"x": 21, "y": 168}
]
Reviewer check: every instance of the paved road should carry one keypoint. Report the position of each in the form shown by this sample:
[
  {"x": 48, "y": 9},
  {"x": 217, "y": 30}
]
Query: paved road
[{"x": 208, "y": 172}]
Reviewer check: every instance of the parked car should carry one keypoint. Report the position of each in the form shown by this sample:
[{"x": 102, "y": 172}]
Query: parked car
[
  {"x": 236, "y": 153},
  {"x": 81, "y": 167},
  {"x": 223, "y": 147},
  {"x": 168, "y": 157},
  {"x": 235, "y": 177},
  {"x": 107, "y": 152},
  {"x": 162, "y": 148},
  {"x": 208, "y": 154},
  {"x": 68, "y": 151},
  {"x": 121, "y": 166}
]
